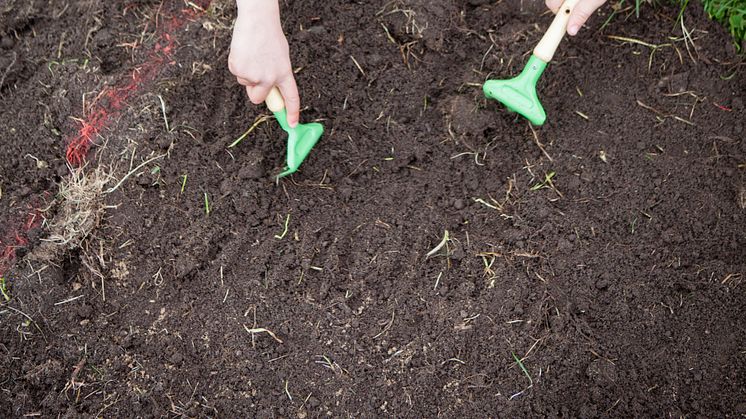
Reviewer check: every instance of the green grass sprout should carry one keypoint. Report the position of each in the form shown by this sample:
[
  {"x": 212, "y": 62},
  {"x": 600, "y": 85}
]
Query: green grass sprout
[
  {"x": 183, "y": 182},
  {"x": 525, "y": 372},
  {"x": 523, "y": 368},
  {"x": 4, "y": 289},
  {"x": 732, "y": 14},
  {"x": 547, "y": 182}
]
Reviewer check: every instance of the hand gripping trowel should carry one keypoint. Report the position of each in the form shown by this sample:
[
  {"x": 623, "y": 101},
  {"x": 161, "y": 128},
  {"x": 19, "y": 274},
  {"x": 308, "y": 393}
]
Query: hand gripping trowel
[
  {"x": 301, "y": 139},
  {"x": 519, "y": 93}
]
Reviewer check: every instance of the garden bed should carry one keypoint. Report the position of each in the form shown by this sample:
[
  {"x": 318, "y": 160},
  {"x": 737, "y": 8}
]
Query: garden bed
[{"x": 594, "y": 266}]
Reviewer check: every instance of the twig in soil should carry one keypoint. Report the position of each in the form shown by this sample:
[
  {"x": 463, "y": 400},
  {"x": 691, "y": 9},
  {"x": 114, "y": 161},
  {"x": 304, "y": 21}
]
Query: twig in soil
[
  {"x": 30, "y": 319},
  {"x": 107, "y": 406},
  {"x": 140, "y": 166},
  {"x": 287, "y": 391},
  {"x": 729, "y": 277},
  {"x": 388, "y": 34},
  {"x": 258, "y": 121},
  {"x": 388, "y": 325},
  {"x": 22, "y": 314},
  {"x": 411, "y": 27},
  {"x": 40, "y": 164},
  {"x": 582, "y": 115},
  {"x": 163, "y": 109},
  {"x": 74, "y": 384},
  {"x": 686, "y": 32},
  {"x": 207, "y": 205},
  {"x": 194, "y": 6},
  {"x": 525, "y": 372},
  {"x": 358, "y": 66},
  {"x": 661, "y": 115},
  {"x": 539, "y": 144},
  {"x": 697, "y": 100},
  {"x": 484, "y": 57},
  {"x": 440, "y": 245},
  {"x": 652, "y": 47},
  {"x": 7, "y": 69},
  {"x": 485, "y": 203},
  {"x": 69, "y": 300},
  {"x": 285, "y": 229},
  {"x": 437, "y": 280},
  {"x": 329, "y": 364},
  {"x": 488, "y": 272},
  {"x": 469, "y": 153},
  {"x": 262, "y": 330}
]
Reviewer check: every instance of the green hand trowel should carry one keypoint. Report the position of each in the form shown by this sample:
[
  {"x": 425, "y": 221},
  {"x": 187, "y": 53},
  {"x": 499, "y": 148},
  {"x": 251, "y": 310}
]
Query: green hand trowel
[
  {"x": 301, "y": 139},
  {"x": 519, "y": 93}
]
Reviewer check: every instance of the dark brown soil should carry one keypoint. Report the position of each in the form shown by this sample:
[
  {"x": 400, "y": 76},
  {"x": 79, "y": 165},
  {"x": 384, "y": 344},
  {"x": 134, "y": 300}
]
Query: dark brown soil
[{"x": 619, "y": 282}]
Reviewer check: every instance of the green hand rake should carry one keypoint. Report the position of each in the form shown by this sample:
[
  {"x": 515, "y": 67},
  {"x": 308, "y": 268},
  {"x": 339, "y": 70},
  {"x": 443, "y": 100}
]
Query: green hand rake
[{"x": 519, "y": 93}]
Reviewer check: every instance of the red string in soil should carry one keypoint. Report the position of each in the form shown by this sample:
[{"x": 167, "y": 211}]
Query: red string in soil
[
  {"x": 107, "y": 106},
  {"x": 112, "y": 100},
  {"x": 17, "y": 239}
]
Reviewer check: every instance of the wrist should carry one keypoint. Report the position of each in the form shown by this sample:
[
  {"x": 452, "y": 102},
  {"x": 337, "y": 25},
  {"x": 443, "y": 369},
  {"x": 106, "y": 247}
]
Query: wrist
[{"x": 258, "y": 8}]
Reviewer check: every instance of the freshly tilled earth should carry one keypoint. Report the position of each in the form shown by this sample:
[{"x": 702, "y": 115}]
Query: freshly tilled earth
[{"x": 593, "y": 266}]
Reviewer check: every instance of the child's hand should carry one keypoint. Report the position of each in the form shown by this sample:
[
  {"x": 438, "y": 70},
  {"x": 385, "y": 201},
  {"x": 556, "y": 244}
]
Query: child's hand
[
  {"x": 260, "y": 57},
  {"x": 580, "y": 13}
]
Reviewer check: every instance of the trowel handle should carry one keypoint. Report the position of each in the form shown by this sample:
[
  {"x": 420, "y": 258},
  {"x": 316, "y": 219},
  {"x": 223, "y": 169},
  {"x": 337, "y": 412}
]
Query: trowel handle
[
  {"x": 551, "y": 39},
  {"x": 274, "y": 100}
]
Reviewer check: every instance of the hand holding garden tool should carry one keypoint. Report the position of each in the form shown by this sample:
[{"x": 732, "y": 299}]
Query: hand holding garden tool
[
  {"x": 301, "y": 138},
  {"x": 519, "y": 93}
]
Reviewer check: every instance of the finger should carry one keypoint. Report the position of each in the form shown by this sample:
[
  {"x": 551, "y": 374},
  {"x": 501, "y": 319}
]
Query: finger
[
  {"x": 581, "y": 13},
  {"x": 258, "y": 93},
  {"x": 289, "y": 91},
  {"x": 553, "y": 5},
  {"x": 245, "y": 82}
]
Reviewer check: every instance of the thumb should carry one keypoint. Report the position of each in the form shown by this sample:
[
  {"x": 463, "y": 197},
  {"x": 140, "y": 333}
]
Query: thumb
[
  {"x": 581, "y": 13},
  {"x": 553, "y": 5}
]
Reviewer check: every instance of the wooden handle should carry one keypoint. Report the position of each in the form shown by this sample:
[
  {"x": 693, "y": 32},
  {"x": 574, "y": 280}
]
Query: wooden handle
[
  {"x": 551, "y": 39},
  {"x": 274, "y": 100}
]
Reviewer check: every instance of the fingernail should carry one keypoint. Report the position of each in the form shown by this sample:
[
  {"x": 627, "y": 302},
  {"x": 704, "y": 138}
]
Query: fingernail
[{"x": 573, "y": 29}]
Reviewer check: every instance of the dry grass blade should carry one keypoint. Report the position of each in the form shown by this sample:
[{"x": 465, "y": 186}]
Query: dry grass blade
[
  {"x": 133, "y": 171},
  {"x": 258, "y": 121},
  {"x": 439, "y": 246},
  {"x": 262, "y": 330}
]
